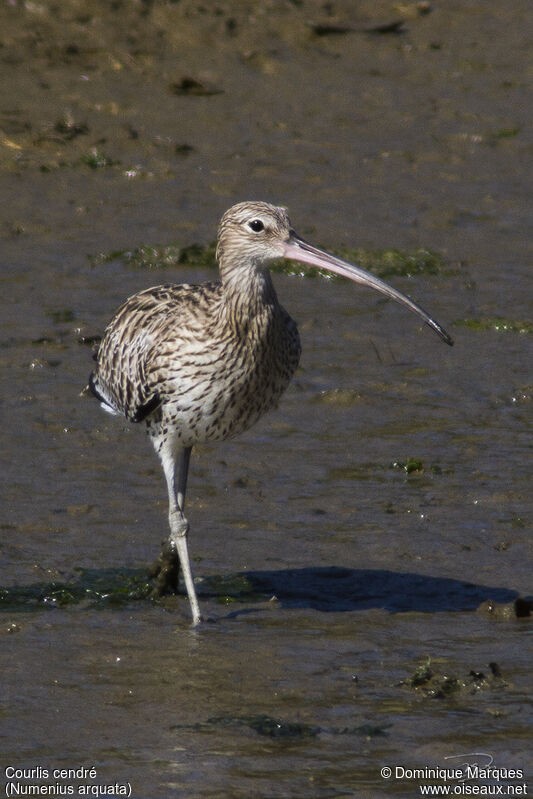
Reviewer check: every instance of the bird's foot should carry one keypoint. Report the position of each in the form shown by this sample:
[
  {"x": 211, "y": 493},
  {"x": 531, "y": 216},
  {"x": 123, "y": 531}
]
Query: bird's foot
[{"x": 165, "y": 571}]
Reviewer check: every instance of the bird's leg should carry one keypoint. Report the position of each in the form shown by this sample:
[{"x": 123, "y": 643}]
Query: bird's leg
[
  {"x": 175, "y": 552},
  {"x": 185, "y": 458},
  {"x": 179, "y": 528},
  {"x": 165, "y": 571}
]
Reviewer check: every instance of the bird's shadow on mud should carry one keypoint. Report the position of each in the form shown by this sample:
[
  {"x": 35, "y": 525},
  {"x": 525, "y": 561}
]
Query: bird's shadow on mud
[{"x": 337, "y": 589}]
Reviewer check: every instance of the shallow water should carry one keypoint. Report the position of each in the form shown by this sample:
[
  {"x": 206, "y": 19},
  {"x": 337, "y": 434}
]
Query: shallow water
[{"x": 329, "y": 572}]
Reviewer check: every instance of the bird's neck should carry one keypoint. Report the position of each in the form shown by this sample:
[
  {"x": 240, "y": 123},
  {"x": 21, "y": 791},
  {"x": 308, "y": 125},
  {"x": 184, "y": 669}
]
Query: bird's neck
[{"x": 248, "y": 295}]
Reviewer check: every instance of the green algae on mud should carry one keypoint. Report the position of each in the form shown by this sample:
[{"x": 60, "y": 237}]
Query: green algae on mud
[
  {"x": 384, "y": 263},
  {"x": 98, "y": 588},
  {"x": 410, "y": 466},
  {"x": 498, "y": 323},
  {"x": 433, "y": 684},
  {"x": 280, "y": 729},
  {"x": 363, "y": 471},
  {"x": 394, "y": 262},
  {"x": 416, "y": 466},
  {"x": 381, "y": 262},
  {"x": 229, "y": 589},
  {"x": 520, "y": 608},
  {"x": 154, "y": 257},
  {"x": 97, "y": 159}
]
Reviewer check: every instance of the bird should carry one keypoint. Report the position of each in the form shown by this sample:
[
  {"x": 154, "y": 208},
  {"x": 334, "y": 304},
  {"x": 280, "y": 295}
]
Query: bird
[{"x": 200, "y": 363}]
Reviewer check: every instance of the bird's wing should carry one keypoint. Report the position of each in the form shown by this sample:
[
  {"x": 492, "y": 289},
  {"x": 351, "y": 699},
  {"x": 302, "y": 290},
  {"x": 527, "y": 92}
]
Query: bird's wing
[{"x": 141, "y": 330}]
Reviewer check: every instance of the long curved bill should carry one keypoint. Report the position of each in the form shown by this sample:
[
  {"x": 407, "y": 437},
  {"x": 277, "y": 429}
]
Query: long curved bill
[{"x": 298, "y": 249}]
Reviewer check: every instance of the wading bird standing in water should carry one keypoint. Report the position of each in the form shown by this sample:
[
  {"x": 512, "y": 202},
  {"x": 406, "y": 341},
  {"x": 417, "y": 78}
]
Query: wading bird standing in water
[{"x": 199, "y": 363}]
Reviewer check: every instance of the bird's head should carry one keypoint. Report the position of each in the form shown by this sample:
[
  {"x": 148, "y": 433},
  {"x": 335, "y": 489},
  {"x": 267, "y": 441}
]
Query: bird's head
[{"x": 253, "y": 233}]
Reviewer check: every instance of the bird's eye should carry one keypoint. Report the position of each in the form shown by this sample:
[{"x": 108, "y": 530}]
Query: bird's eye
[{"x": 256, "y": 225}]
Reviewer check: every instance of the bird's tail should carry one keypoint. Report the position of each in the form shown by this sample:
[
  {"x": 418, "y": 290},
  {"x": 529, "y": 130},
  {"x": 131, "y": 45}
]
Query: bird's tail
[{"x": 93, "y": 389}]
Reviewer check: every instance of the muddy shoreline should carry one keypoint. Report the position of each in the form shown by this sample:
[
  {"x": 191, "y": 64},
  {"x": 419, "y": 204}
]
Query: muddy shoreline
[{"x": 362, "y": 549}]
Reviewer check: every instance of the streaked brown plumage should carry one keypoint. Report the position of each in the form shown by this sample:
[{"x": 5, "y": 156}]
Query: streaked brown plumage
[{"x": 199, "y": 363}]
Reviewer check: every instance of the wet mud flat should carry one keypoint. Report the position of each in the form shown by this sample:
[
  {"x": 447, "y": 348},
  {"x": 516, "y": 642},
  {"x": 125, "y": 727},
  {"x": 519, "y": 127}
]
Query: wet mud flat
[{"x": 364, "y": 553}]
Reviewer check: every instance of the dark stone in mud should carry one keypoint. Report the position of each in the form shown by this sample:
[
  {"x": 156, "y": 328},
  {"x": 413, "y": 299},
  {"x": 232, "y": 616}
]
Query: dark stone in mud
[
  {"x": 329, "y": 28},
  {"x": 183, "y": 149},
  {"x": 190, "y": 86},
  {"x": 523, "y": 607},
  {"x": 165, "y": 572},
  {"x": 69, "y": 129},
  {"x": 495, "y": 669}
]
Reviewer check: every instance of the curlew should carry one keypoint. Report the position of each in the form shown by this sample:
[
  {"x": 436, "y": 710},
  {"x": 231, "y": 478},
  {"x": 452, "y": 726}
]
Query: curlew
[{"x": 201, "y": 363}]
